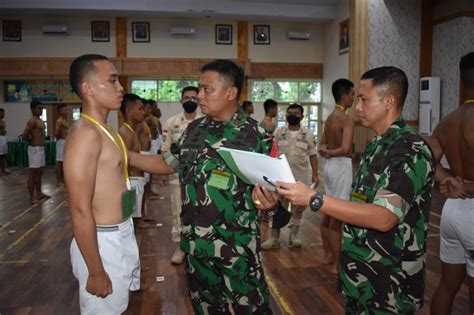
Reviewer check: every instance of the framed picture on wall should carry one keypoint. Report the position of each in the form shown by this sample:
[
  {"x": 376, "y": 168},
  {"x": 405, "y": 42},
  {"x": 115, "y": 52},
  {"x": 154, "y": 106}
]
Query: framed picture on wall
[
  {"x": 223, "y": 34},
  {"x": 261, "y": 34},
  {"x": 100, "y": 31},
  {"x": 344, "y": 37},
  {"x": 141, "y": 32},
  {"x": 11, "y": 31}
]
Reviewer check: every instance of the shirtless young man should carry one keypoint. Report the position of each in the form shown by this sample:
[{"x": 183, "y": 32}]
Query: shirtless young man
[
  {"x": 145, "y": 137},
  {"x": 152, "y": 125},
  {"x": 104, "y": 252},
  {"x": 271, "y": 111},
  {"x": 3, "y": 143},
  {"x": 335, "y": 146},
  {"x": 156, "y": 113},
  {"x": 133, "y": 114},
  {"x": 454, "y": 138},
  {"x": 61, "y": 131},
  {"x": 34, "y": 134}
]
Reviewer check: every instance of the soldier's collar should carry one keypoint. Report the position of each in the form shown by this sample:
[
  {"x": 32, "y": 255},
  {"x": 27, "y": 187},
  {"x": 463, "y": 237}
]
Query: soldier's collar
[
  {"x": 398, "y": 124},
  {"x": 237, "y": 118}
]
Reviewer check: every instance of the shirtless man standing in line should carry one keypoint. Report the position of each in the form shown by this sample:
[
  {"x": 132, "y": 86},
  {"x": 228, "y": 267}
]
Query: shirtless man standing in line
[
  {"x": 61, "y": 131},
  {"x": 34, "y": 134},
  {"x": 133, "y": 114},
  {"x": 271, "y": 111},
  {"x": 153, "y": 125},
  {"x": 104, "y": 252},
  {"x": 454, "y": 138},
  {"x": 335, "y": 146},
  {"x": 144, "y": 137}
]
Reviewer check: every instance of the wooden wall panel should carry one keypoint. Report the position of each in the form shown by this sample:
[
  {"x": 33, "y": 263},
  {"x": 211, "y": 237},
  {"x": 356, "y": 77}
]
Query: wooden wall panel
[
  {"x": 135, "y": 67},
  {"x": 40, "y": 67},
  {"x": 157, "y": 67},
  {"x": 286, "y": 70}
]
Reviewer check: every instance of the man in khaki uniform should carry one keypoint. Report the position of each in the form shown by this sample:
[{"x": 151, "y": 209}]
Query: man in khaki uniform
[
  {"x": 175, "y": 126},
  {"x": 297, "y": 143}
]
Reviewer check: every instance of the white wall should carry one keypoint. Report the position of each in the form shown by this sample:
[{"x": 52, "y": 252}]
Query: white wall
[
  {"x": 451, "y": 40},
  {"x": 281, "y": 49},
  {"x": 394, "y": 40},
  {"x": 163, "y": 45},
  {"x": 335, "y": 66},
  {"x": 77, "y": 42}
]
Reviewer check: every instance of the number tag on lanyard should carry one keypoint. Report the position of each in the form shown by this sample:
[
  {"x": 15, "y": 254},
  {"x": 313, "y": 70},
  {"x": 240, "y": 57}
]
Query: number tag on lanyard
[{"x": 129, "y": 204}]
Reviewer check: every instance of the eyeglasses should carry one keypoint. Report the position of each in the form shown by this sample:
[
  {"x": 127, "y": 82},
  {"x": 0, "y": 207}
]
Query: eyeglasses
[{"x": 190, "y": 98}]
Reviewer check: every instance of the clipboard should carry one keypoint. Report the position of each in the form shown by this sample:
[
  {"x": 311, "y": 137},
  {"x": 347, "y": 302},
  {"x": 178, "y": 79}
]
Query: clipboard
[{"x": 256, "y": 168}]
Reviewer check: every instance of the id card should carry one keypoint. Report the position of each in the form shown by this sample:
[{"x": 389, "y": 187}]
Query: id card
[
  {"x": 129, "y": 204},
  {"x": 356, "y": 197},
  {"x": 219, "y": 179}
]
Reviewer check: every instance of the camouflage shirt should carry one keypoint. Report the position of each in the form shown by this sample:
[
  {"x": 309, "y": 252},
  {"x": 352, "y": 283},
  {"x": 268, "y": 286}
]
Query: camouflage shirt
[
  {"x": 385, "y": 270},
  {"x": 219, "y": 218}
]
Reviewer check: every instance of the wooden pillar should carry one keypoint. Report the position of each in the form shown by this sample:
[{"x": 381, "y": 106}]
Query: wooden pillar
[
  {"x": 243, "y": 55},
  {"x": 121, "y": 37},
  {"x": 358, "y": 60},
  {"x": 426, "y": 38},
  {"x": 121, "y": 51}
]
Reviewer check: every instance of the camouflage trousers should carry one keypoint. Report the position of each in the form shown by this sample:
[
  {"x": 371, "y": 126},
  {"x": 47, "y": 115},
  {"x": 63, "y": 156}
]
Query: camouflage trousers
[
  {"x": 353, "y": 307},
  {"x": 219, "y": 285}
]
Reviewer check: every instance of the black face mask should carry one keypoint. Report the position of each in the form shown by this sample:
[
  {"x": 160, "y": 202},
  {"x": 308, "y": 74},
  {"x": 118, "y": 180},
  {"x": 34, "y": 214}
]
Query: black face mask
[
  {"x": 190, "y": 107},
  {"x": 293, "y": 120}
]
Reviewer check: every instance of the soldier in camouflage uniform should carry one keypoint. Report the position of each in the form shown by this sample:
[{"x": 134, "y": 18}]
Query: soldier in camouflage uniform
[
  {"x": 220, "y": 226},
  {"x": 384, "y": 242}
]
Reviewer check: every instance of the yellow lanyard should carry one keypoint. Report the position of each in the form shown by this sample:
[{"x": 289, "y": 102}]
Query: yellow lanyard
[
  {"x": 122, "y": 149},
  {"x": 468, "y": 101},
  {"x": 340, "y": 107},
  {"x": 129, "y": 128},
  {"x": 133, "y": 132}
]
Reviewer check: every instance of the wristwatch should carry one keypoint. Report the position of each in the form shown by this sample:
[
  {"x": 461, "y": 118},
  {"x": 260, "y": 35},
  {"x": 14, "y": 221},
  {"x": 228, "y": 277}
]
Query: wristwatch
[{"x": 316, "y": 202}]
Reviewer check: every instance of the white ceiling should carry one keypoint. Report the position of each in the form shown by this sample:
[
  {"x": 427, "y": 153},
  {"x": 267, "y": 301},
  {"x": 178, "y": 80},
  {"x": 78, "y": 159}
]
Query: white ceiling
[{"x": 263, "y": 10}]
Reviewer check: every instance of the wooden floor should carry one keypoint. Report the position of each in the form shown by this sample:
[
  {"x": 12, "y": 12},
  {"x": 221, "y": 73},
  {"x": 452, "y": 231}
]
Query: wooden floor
[{"x": 36, "y": 277}]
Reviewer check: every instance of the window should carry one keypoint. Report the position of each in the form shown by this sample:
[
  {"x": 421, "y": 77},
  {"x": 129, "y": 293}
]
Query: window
[
  {"x": 161, "y": 90},
  {"x": 44, "y": 118},
  {"x": 76, "y": 113},
  {"x": 306, "y": 93}
]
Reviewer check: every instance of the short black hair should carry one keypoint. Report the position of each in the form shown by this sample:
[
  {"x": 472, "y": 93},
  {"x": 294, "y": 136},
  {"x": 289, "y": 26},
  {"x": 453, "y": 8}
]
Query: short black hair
[
  {"x": 81, "y": 66},
  {"x": 391, "y": 78},
  {"x": 296, "y": 105},
  {"x": 61, "y": 106},
  {"x": 146, "y": 102},
  {"x": 269, "y": 104},
  {"x": 341, "y": 87},
  {"x": 2, "y": 110},
  {"x": 189, "y": 88},
  {"x": 466, "y": 69},
  {"x": 35, "y": 104},
  {"x": 127, "y": 101},
  {"x": 228, "y": 69},
  {"x": 246, "y": 104}
]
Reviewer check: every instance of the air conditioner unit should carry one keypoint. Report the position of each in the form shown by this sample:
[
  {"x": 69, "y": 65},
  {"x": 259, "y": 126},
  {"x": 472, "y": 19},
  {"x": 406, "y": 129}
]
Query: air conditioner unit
[
  {"x": 430, "y": 96},
  {"x": 299, "y": 35},
  {"x": 61, "y": 29},
  {"x": 183, "y": 31}
]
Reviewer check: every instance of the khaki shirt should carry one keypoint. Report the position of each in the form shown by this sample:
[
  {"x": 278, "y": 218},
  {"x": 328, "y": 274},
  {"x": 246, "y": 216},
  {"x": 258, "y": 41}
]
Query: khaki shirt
[
  {"x": 297, "y": 149},
  {"x": 174, "y": 128}
]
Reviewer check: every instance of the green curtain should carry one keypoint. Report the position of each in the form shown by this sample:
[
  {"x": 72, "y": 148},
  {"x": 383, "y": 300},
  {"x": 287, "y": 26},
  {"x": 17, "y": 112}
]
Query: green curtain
[{"x": 18, "y": 153}]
